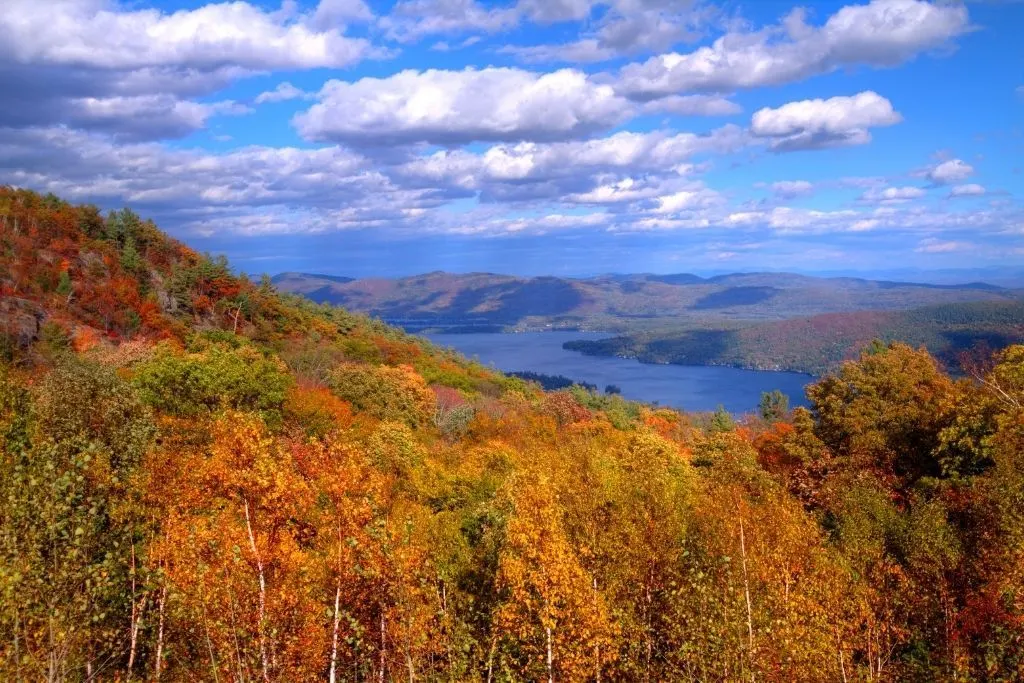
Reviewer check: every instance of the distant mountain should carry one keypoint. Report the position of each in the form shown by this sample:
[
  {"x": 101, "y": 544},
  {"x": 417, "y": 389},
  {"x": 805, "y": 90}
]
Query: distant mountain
[
  {"x": 819, "y": 343},
  {"x": 618, "y": 302}
]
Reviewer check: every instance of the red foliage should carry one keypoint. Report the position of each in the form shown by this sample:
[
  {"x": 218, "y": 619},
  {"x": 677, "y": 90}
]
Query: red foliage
[{"x": 563, "y": 406}]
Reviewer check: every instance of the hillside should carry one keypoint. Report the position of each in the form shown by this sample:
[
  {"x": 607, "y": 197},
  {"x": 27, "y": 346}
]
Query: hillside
[
  {"x": 820, "y": 343},
  {"x": 618, "y": 302},
  {"x": 204, "y": 479}
]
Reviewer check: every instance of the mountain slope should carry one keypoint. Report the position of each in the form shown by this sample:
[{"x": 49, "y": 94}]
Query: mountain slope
[
  {"x": 819, "y": 343},
  {"x": 204, "y": 479},
  {"x": 619, "y": 302}
]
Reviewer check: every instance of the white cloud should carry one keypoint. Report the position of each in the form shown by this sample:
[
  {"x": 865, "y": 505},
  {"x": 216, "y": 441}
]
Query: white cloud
[
  {"x": 882, "y": 33},
  {"x": 969, "y": 190},
  {"x": 579, "y": 167},
  {"x": 892, "y": 195},
  {"x": 948, "y": 172},
  {"x": 337, "y": 12},
  {"x": 817, "y": 124},
  {"x": 936, "y": 246},
  {"x": 100, "y": 66},
  {"x": 638, "y": 181},
  {"x": 450, "y": 107},
  {"x": 618, "y": 191},
  {"x": 85, "y": 33},
  {"x": 687, "y": 200},
  {"x": 283, "y": 92},
  {"x": 789, "y": 220},
  {"x": 864, "y": 225},
  {"x": 582, "y": 51},
  {"x": 552, "y": 11},
  {"x": 693, "y": 105},
  {"x": 410, "y": 20},
  {"x": 625, "y": 27},
  {"x": 790, "y": 189},
  {"x": 84, "y": 166}
]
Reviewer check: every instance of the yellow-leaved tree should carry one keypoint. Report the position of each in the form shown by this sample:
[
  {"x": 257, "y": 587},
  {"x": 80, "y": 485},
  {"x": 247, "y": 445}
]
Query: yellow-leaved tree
[{"x": 550, "y": 623}]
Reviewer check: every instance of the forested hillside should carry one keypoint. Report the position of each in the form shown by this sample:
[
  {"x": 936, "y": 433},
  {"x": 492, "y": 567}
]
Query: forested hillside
[
  {"x": 202, "y": 479},
  {"x": 820, "y": 343},
  {"x": 485, "y": 302}
]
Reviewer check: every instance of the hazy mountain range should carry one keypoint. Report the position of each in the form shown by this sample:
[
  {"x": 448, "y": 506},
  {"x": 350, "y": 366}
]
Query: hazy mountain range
[{"x": 620, "y": 302}]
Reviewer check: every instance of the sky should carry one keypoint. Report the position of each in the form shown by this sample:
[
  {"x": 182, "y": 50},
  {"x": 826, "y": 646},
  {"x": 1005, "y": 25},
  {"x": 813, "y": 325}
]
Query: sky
[{"x": 564, "y": 137}]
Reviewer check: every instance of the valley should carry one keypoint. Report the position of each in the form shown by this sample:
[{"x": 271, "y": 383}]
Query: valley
[{"x": 758, "y": 321}]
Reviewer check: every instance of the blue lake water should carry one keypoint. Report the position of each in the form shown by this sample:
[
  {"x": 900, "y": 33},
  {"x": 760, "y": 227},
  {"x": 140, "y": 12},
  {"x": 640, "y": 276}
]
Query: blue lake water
[{"x": 690, "y": 387}]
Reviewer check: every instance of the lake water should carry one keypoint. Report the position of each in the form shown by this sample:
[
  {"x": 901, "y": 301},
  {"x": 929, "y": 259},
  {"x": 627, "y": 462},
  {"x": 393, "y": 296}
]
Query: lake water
[{"x": 690, "y": 387}]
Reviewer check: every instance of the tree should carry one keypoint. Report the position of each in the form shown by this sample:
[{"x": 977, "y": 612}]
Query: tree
[
  {"x": 721, "y": 421},
  {"x": 774, "y": 405},
  {"x": 885, "y": 411},
  {"x": 66, "y": 526},
  {"x": 550, "y": 625},
  {"x": 64, "y": 287}
]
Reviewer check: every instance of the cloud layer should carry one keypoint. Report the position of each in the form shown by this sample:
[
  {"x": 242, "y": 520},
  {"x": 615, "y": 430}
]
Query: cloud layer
[{"x": 469, "y": 118}]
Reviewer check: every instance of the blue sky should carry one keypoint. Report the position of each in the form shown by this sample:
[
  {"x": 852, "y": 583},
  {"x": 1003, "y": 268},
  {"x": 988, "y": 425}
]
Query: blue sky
[{"x": 570, "y": 137}]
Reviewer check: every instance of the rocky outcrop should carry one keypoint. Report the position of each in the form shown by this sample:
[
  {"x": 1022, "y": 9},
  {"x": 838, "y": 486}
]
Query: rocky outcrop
[{"x": 20, "y": 320}]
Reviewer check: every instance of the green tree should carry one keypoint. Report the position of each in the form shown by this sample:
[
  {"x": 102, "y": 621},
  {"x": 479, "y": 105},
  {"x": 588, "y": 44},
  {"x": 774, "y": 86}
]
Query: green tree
[
  {"x": 721, "y": 421},
  {"x": 774, "y": 405},
  {"x": 64, "y": 283}
]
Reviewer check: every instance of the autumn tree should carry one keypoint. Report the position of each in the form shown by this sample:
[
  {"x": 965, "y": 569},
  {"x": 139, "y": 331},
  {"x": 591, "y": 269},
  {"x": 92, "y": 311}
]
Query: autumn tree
[{"x": 550, "y": 623}]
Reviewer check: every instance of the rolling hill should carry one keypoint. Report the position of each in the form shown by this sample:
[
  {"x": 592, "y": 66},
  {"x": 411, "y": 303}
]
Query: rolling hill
[
  {"x": 618, "y": 302},
  {"x": 817, "y": 344},
  {"x": 203, "y": 479}
]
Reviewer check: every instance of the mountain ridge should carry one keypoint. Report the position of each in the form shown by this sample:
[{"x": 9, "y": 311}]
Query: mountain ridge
[{"x": 619, "y": 302}]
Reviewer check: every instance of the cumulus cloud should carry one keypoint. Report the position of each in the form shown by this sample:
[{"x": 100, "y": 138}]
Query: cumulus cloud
[
  {"x": 790, "y": 220},
  {"x": 552, "y": 11},
  {"x": 693, "y": 105},
  {"x": 937, "y": 246},
  {"x": 283, "y": 92},
  {"x": 948, "y": 172},
  {"x": 583, "y": 165},
  {"x": 818, "y": 124},
  {"x": 92, "y": 166},
  {"x": 687, "y": 201},
  {"x": 791, "y": 189},
  {"x": 98, "y": 66},
  {"x": 453, "y": 107},
  {"x": 882, "y": 33},
  {"x": 892, "y": 195},
  {"x": 339, "y": 12},
  {"x": 629, "y": 181},
  {"x": 968, "y": 190},
  {"x": 128, "y": 116},
  {"x": 583, "y": 51},
  {"x": 625, "y": 27},
  {"x": 84, "y": 33},
  {"x": 411, "y": 20}
]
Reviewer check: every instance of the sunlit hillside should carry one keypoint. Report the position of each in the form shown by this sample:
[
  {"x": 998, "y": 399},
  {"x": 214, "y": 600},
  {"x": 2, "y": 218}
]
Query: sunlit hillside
[{"x": 203, "y": 479}]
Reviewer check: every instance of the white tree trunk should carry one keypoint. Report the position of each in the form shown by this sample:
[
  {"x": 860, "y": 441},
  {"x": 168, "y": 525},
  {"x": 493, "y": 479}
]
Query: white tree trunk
[
  {"x": 264, "y": 661},
  {"x": 746, "y": 593},
  {"x": 158, "y": 664},
  {"x": 334, "y": 638}
]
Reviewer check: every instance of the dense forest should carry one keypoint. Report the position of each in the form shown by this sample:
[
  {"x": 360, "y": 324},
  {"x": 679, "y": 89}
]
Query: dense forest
[
  {"x": 204, "y": 479},
  {"x": 552, "y": 382},
  {"x": 821, "y": 343}
]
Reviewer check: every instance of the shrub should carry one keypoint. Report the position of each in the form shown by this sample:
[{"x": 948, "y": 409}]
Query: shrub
[
  {"x": 388, "y": 393},
  {"x": 189, "y": 384}
]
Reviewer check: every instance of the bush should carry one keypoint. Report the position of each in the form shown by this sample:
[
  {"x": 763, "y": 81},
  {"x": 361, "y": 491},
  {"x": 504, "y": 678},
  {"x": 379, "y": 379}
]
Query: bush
[
  {"x": 190, "y": 384},
  {"x": 396, "y": 394}
]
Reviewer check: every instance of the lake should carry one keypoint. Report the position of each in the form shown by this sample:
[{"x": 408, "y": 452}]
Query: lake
[{"x": 689, "y": 387}]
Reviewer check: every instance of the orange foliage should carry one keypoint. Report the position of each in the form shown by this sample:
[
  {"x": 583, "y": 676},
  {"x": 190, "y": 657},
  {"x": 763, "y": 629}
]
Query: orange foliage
[{"x": 316, "y": 410}]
